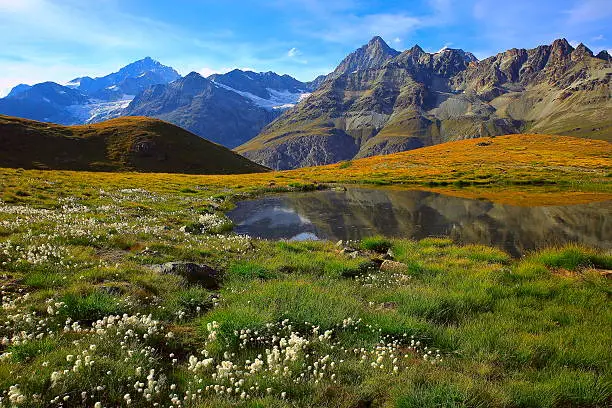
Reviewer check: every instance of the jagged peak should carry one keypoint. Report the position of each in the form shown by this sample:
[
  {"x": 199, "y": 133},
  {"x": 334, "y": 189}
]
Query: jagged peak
[
  {"x": 581, "y": 51},
  {"x": 582, "y": 47},
  {"x": 562, "y": 46},
  {"x": 146, "y": 64},
  {"x": 373, "y": 54},
  {"x": 467, "y": 56},
  {"x": 377, "y": 40},
  {"x": 604, "y": 55},
  {"x": 193, "y": 75},
  {"x": 146, "y": 61},
  {"x": 378, "y": 44},
  {"x": 234, "y": 71},
  {"x": 416, "y": 49}
]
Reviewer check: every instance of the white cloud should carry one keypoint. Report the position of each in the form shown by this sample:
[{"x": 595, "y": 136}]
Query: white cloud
[
  {"x": 16, "y": 6},
  {"x": 598, "y": 38},
  {"x": 352, "y": 28},
  {"x": 293, "y": 52},
  {"x": 36, "y": 22},
  {"x": 351, "y": 22}
]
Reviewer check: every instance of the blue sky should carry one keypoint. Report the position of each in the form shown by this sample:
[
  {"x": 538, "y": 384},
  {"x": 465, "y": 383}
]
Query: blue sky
[{"x": 60, "y": 39}]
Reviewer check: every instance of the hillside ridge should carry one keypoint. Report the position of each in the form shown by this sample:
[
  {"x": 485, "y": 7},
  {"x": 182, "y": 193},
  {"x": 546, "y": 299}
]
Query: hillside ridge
[{"x": 123, "y": 144}]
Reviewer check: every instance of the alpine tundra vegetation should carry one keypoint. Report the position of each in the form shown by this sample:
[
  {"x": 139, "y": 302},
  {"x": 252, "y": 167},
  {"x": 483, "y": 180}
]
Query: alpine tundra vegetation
[{"x": 128, "y": 289}]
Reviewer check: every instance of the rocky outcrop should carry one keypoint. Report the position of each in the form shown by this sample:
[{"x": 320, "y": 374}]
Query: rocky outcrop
[
  {"x": 203, "y": 275},
  {"x": 603, "y": 55},
  {"x": 309, "y": 151},
  {"x": 384, "y": 102},
  {"x": 393, "y": 266},
  {"x": 372, "y": 55}
]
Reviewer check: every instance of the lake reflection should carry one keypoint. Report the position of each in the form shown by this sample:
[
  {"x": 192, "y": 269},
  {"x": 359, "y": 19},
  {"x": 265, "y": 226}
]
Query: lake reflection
[{"x": 361, "y": 212}]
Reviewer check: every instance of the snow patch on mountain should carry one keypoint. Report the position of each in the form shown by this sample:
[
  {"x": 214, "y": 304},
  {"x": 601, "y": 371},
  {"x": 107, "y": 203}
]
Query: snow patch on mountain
[
  {"x": 97, "y": 110},
  {"x": 73, "y": 84},
  {"x": 280, "y": 100}
]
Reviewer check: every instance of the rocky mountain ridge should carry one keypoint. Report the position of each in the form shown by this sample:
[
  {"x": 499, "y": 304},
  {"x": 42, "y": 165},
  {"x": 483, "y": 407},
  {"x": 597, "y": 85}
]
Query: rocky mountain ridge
[
  {"x": 129, "y": 80},
  {"x": 378, "y": 102}
]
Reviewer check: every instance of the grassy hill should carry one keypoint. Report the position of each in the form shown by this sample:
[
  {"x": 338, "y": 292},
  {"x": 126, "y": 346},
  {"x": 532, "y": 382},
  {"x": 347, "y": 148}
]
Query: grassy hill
[
  {"x": 124, "y": 144},
  {"x": 514, "y": 169},
  {"x": 510, "y": 159}
]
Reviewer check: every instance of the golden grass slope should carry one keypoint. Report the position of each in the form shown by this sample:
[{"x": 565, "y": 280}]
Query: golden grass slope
[
  {"x": 123, "y": 144},
  {"x": 513, "y": 169}
]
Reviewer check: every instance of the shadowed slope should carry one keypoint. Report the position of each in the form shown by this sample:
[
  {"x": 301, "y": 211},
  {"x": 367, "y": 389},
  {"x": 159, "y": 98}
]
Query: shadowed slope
[{"x": 125, "y": 144}]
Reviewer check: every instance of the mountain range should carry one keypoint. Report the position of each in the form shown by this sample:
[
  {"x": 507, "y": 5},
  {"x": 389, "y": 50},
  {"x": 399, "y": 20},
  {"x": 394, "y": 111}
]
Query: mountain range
[
  {"x": 85, "y": 99},
  {"x": 228, "y": 109},
  {"x": 378, "y": 100}
]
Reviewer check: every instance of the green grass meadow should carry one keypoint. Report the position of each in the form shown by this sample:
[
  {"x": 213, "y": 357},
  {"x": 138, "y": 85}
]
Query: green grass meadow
[{"x": 87, "y": 322}]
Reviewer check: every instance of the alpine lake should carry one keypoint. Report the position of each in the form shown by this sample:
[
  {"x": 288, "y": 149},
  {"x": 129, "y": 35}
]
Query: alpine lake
[{"x": 362, "y": 212}]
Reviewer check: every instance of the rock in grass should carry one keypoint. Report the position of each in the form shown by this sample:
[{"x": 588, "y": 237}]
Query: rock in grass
[
  {"x": 112, "y": 290},
  {"x": 393, "y": 266},
  {"x": 194, "y": 273},
  {"x": 354, "y": 254}
]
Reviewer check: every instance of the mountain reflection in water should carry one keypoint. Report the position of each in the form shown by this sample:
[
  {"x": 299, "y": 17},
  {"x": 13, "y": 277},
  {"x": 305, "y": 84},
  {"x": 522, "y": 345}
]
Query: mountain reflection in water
[{"x": 362, "y": 212}]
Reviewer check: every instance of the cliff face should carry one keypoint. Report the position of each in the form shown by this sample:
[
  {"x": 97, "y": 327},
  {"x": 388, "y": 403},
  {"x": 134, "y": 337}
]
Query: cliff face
[{"x": 378, "y": 101}]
